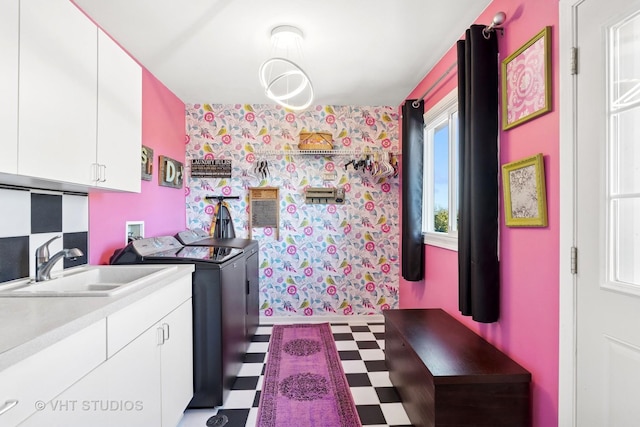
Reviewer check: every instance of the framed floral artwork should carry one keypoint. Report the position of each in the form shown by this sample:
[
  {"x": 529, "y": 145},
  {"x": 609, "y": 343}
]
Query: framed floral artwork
[
  {"x": 526, "y": 81},
  {"x": 525, "y": 199}
]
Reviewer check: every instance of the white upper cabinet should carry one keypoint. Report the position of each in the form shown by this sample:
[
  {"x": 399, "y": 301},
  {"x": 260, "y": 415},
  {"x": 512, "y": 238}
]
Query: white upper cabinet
[
  {"x": 119, "y": 117},
  {"x": 57, "y": 92},
  {"x": 9, "y": 19},
  {"x": 73, "y": 113}
]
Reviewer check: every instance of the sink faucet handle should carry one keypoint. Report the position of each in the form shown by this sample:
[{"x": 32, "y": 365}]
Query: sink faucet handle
[{"x": 42, "y": 252}]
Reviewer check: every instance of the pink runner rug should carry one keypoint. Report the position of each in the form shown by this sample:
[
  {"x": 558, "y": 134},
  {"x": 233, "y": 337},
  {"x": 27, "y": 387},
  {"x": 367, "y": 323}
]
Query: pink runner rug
[{"x": 304, "y": 385}]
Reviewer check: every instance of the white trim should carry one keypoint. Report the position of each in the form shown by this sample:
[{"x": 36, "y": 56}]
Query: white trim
[
  {"x": 443, "y": 105},
  {"x": 566, "y": 280},
  {"x": 279, "y": 320},
  {"x": 441, "y": 240}
]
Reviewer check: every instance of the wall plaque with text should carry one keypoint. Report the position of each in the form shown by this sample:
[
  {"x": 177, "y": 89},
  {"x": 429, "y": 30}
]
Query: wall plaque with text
[{"x": 210, "y": 168}]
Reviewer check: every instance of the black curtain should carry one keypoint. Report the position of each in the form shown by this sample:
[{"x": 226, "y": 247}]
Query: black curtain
[
  {"x": 412, "y": 146},
  {"x": 478, "y": 266}
]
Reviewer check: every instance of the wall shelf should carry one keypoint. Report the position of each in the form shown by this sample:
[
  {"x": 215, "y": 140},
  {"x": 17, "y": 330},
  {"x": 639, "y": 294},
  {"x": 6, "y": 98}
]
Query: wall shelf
[{"x": 327, "y": 153}]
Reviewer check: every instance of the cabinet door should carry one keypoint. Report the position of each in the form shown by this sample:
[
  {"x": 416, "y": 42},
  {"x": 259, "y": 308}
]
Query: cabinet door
[
  {"x": 253, "y": 298},
  {"x": 119, "y": 117},
  {"x": 124, "y": 391},
  {"x": 177, "y": 364},
  {"x": 57, "y": 92},
  {"x": 9, "y": 18},
  {"x": 45, "y": 374},
  {"x": 234, "y": 342}
]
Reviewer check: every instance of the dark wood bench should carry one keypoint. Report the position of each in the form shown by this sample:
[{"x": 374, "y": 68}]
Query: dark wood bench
[{"x": 449, "y": 376}]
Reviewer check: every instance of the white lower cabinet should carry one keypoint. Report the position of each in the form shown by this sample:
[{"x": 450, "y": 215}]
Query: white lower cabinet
[
  {"x": 176, "y": 362},
  {"x": 123, "y": 391},
  {"x": 147, "y": 382},
  {"x": 28, "y": 386}
]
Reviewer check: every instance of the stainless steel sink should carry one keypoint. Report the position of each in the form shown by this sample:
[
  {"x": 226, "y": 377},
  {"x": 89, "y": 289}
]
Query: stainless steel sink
[{"x": 92, "y": 281}]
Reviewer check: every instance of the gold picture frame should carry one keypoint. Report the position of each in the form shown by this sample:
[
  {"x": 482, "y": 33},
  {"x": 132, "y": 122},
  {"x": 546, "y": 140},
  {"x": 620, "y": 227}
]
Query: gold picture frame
[
  {"x": 526, "y": 81},
  {"x": 525, "y": 195}
]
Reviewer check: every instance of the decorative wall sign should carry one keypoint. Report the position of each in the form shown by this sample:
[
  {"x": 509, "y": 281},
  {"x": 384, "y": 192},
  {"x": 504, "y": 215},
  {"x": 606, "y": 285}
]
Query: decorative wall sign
[
  {"x": 526, "y": 81},
  {"x": 146, "y": 163},
  {"x": 263, "y": 208},
  {"x": 525, "y": 200},
  {"x": 210, "y": 168},
  {"x": 171, "y": 172}
]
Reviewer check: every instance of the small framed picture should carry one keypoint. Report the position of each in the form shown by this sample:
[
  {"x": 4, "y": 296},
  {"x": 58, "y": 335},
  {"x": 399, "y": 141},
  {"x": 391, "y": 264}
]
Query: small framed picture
[
  {"x": 525, "y": 198},
  {"x": 526, "y": 81}
]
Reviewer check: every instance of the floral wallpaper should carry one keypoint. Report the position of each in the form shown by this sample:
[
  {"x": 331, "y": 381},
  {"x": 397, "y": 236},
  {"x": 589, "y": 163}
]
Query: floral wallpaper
[{"x": 330, "y": 259}]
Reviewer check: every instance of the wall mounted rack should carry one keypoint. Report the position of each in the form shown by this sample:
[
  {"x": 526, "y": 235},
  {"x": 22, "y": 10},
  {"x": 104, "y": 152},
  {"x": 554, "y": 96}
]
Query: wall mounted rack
[{"x": 328, "y": 153}]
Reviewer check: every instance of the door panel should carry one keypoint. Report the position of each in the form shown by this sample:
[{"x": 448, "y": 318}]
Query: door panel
[{"x": 608, "y": 213}]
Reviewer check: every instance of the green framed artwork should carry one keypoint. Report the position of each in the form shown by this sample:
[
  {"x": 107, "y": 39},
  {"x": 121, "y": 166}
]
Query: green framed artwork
[
  {"x": 526, "y": 81},
  {"x": 525, "y": 198}
]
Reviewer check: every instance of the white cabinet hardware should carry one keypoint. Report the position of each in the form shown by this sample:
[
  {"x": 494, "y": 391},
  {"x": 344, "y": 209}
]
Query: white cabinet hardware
[{"x": 8, "y": 404}]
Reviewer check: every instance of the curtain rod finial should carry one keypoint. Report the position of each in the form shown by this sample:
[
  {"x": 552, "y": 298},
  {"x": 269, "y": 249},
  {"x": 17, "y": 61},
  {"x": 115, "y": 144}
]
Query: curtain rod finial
[{"x": 498, "y": 20}]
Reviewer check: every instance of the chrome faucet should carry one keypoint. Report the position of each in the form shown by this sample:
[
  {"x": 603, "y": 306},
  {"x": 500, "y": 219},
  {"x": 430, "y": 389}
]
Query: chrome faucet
[{"x": 44, "y": 263}]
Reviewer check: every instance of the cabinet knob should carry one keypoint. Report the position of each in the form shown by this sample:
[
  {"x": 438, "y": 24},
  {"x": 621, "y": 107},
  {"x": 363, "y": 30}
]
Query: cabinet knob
[{"x": 8, "y": 404}]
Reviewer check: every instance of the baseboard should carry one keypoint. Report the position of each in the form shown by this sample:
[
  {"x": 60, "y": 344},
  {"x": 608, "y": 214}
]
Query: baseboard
[{"x": 277, "y": 320}]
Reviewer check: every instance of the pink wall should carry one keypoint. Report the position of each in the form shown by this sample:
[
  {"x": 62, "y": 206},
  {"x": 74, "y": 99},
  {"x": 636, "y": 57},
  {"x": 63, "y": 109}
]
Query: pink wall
[
  {"x": 161, "y": 208},
  {"x": 528, "y": 326}
]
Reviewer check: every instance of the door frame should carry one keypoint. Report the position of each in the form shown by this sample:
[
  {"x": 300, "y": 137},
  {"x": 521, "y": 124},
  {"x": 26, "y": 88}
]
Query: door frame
[{"x": 567, "y": 281}]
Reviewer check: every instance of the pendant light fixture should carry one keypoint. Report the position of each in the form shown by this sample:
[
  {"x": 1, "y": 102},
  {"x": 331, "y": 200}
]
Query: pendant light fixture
[{"x": 281, "y": 76}]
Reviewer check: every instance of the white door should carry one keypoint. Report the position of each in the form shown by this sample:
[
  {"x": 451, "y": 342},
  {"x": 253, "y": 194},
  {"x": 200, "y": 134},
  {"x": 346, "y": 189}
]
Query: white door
[{"x": 608, "y": 213}]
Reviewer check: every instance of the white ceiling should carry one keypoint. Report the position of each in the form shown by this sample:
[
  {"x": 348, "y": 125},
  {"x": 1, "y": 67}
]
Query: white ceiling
[{"x": 356, "y": 52}]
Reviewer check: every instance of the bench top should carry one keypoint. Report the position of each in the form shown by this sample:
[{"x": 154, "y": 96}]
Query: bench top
[{"x": 451, "y": 352}]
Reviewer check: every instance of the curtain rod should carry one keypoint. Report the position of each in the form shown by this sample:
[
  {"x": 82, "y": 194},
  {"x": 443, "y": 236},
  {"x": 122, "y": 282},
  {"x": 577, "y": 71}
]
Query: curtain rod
[
  {"x": 498, "y": 20},
  {"x": 416, "y": 103}
]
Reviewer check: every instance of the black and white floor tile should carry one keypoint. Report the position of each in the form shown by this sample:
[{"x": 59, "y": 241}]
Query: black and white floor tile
[{"x": 361, "y": 349}]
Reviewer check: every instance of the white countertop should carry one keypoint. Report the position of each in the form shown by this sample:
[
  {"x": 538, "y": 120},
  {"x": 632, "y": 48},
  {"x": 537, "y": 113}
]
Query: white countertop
[{"x": 30, "y": 324}]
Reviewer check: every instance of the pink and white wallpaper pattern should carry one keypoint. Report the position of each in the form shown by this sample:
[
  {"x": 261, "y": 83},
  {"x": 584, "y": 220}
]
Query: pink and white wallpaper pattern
[{"x": 331, "y": 259}]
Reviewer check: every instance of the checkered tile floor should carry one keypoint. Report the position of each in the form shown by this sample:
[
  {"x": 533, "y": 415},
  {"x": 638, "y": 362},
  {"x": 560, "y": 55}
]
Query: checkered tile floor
[{"x": 361, "y": 348}]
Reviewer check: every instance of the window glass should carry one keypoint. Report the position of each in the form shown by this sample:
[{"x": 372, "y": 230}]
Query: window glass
[
  {"x": 623, "y": 190},
  {"x": 440, "y": 194},
  {"x": 441, "y": 178}
]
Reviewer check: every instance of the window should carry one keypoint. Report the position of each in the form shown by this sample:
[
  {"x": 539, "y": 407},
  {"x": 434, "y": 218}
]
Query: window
[{"x": 440, "y": 193}]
